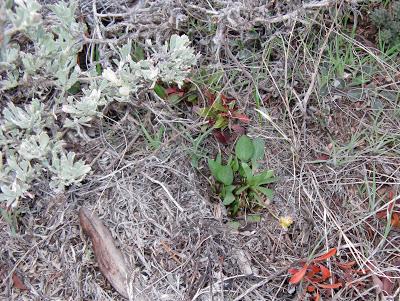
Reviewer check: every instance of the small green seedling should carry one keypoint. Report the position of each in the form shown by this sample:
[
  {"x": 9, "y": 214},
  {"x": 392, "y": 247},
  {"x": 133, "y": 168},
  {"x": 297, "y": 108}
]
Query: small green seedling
[
  {"x": 155, "y": 140},
  {"x": 238, "y": 183}
]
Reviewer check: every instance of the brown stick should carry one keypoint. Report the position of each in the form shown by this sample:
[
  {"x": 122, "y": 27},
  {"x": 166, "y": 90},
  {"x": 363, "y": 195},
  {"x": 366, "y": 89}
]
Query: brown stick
[{"x": 109, "y": 258}]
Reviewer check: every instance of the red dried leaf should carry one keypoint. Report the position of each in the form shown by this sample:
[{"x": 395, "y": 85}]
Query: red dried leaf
[
  {"x": 17, "y": 282},
  {"x": 381, "y": 214},
  {"x": 210, "y": 97},
  {"x": 226, "y": 100},
  {"x": 238, "y": 129},
  {"x": 296, "y": 278},
  {"x": 293, "y": 271},
  {"x": 395, "y": 220},
  {"x": 310, "y": 288},
  {"x": 388, "y": 285},
  {"x": 325, "y": 272},
  {"x": 241, "y": 117},
  {"x": 222, "y": 137},
  {"x": 333, "y": 285},
  {"x": 314, "y": 270},
  {"x": 174, "y": 90},
  {"x": 323, "y": 157},
  {"x": 325, "y": 256},
  {"x": 171, "y": 90}
]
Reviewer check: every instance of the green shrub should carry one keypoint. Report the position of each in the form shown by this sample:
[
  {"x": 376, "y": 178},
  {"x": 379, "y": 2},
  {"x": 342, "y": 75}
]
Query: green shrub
[
  {"x": 388, "y": 22},
  {"x": 30, "y": 141}
]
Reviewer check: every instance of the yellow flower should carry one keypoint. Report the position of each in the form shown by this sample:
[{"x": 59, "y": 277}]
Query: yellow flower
[{"x": 285, "y": 221}]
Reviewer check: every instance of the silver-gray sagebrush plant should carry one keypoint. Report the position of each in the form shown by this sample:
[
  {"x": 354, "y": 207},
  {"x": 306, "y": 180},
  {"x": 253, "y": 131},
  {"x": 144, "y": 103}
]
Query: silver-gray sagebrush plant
[{"x": 31, "y": 147}]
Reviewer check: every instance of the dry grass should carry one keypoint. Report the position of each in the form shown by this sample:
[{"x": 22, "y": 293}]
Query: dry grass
[{"x": 162, "y": 212}]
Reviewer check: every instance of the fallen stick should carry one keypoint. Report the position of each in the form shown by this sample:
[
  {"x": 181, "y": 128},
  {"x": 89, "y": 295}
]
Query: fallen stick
[{"x": 109, "y": 258}]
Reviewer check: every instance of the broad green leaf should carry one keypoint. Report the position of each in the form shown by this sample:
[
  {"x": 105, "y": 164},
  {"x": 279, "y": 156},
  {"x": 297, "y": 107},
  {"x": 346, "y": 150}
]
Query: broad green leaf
[
  {"x": 229, "y": 198},
  {"x": 259, "y": 146},
  {"x": 225, "y": 174},
  {"x": 192, "y": 98},
  {"x": 205, "y": 112},
  {"x": 220, "y": 122},
  {"x": 218, "y": 159},
  {"x": 235, "y": 164},
  {"x": 235, "y": 207},
  {"x": 174, "y": 98},
  {"x": 160, "y": 91},
  {"x": 75, "y": 88},
  {"x": 263, "y": 178},
  {"x": 269, "y": 193},
  {"x": 214, "y": 166},
  {"x": 241, "y": 189},
  {"x": 217, "y": 106},
  {"x": 244, "y": 148},
  {"x": 247, "y": 172}
]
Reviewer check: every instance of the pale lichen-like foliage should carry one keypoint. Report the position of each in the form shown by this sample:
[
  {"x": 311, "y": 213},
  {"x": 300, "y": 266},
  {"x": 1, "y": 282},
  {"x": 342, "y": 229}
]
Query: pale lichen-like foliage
[{"x": 29, "y": 149}]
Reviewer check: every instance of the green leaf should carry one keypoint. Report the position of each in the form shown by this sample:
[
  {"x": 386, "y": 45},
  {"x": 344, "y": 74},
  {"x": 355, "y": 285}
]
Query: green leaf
[
  {"x": 192, "y": 98},
  {"x": 263, "y": 178},
  {"x": 218, "y": 159},
  {"x": 229, "y": 198},
  {"x": 194, "y": 161},
  {"x": 96, "y": 58},
  {"x": 244, "y": 148},
  {"x": 259, "y": 146},
  {"x": 225, "y": 174},
  {"x": 214, "y": 166},
  {"x": 220, "y": 122},
  {"x": 235, "y": 164},
  {"x": 174, "y": 98},
  {"x": 241, "y": 189},
  {"x": 75, "y": 88},
  {"x": 160, "y": 91},
  {"x": 269, "y": 193},
  {"x": 138, "y": 54},
  {"x": 207, "y": 112},
  {"x": 247, "y": 172}
]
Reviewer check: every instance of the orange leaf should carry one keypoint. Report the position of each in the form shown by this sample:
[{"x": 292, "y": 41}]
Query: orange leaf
[
  {"x": 317, "y": 296},
  {"x": 314, "y": 270},
  {"x": 325, "y": 256},
  {"x": 293, "y": 271},
  {"x": 325, "y": 272},
  {"x": 310, "y": 288},
  {"x": 296, "y": 278},
  {"x": 334, "y": 285},
  {"x": 395, "y": 220}
]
